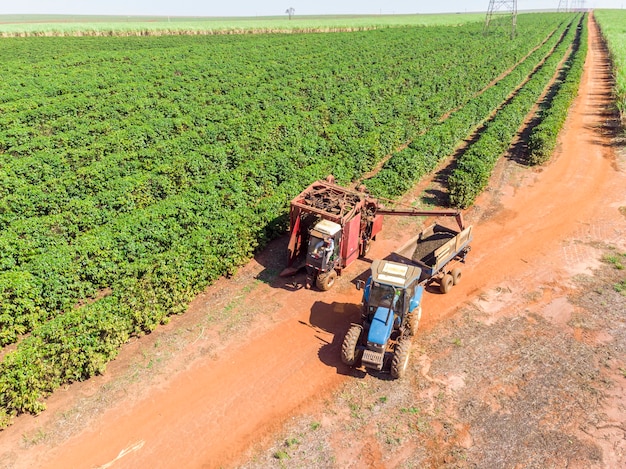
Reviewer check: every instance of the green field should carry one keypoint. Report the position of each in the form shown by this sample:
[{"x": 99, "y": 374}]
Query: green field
[
  {"x": 134, "y": 171},
  {"x": 132, "y": 25}
]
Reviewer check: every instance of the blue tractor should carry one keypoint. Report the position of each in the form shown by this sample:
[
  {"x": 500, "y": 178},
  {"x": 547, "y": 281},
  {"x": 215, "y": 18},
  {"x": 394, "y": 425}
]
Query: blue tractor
[{"x": 392, "y": 309}]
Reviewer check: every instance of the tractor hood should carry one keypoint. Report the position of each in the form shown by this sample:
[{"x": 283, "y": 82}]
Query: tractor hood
[{"x": 381, "y": 327}]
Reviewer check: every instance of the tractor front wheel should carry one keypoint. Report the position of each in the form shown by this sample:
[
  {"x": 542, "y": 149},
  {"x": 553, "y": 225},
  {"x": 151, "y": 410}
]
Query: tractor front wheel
[
  {"x": 326, "y": 281},
  {"x": 414, "y": 320},
  {"x": 400, "y": 361},
  {"x": 349, "y": 353}
]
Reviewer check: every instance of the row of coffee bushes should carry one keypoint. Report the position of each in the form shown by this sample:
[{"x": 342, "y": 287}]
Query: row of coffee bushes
[
  {"x": 475, "y": 165},
  {"x": 543, "y": 138},
  {"x": 423, "y": 154}
]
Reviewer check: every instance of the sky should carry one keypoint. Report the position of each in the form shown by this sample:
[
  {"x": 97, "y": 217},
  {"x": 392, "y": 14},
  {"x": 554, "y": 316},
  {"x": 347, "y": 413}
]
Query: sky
[{"x": 271, "y": 7}]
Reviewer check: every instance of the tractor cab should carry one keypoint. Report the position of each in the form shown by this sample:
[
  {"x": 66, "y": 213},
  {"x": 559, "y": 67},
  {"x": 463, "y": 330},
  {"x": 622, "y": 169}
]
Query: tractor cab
[
  {"x": 385, "y": 296},
  {"x": 392, "y": 286},
  {"x": 323, "y": 253}
]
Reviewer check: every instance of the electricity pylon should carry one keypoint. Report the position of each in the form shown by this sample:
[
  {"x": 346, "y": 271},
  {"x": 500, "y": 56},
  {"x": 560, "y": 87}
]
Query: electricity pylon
[
  {"x": 501, "y": 8},
  {"x": 563, "y": 6}
]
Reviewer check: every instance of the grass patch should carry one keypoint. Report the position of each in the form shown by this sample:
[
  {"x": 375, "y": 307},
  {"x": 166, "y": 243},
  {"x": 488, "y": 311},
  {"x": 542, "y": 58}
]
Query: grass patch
[
  {"x": 616, "y": 260},
  {"x": 281, "y": 455}
]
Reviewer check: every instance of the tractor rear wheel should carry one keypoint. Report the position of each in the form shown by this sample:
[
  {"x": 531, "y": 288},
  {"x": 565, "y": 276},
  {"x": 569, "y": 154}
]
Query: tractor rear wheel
[
  {"x": 326, "y": 281},
  {"x": 400, "y": 361},
  {"x": 456, "y": 275},
  {"x": 446, "y": 283},
  {"x": 349, "y": 353}
]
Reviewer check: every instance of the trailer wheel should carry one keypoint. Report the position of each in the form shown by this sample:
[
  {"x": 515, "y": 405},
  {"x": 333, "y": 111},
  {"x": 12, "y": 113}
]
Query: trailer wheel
[
  {"x": 400, "y": 361},
  {"x": 446, "y": 283},
  {"x": 349, "y": 353},
  {"x": 414, "y": 320},
  {"x": 326, "y": 281},
  {"x": 456, "y": 276}
]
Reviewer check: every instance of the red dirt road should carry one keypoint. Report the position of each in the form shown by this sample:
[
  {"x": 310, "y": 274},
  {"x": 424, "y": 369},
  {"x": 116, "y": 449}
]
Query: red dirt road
[{"x": 221, "y": 404}]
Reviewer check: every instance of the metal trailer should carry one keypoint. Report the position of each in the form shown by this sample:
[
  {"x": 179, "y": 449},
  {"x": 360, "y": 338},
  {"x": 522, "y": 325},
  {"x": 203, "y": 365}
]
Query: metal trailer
[
  {"x": 392, "y": 297},
  {"x": 331, "y": 226},
  {"x": 437, "y": 251}
]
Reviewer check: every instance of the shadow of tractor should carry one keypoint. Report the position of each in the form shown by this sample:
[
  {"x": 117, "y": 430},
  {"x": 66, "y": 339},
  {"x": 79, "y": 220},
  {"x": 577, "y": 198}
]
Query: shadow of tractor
[{"x": 334, "y": 319}]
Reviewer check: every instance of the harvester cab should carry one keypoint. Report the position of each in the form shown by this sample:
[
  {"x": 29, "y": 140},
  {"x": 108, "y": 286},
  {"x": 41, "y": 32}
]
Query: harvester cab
[
  {"x": 323, "y": 254},
  {"x": 392, "y": 308}
]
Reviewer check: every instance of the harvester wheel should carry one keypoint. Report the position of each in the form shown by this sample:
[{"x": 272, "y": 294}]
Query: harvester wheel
[
  {"x": 456, "y": 275},
  {"x": 365, "y": 247},
  {"x": 414, "y": 320},
  {"x": 400, "y": 361},
  {"x": 349, "y": 353},
  {"x": 446, "y": 283},
  {"x": 326, "y": 281}
]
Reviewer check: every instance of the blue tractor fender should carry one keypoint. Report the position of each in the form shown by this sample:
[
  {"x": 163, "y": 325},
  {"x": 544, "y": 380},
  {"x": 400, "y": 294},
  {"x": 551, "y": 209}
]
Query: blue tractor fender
[
  {"x": 381, "y": 327},
  {"x": 416, "y": 300},
  {"x": 366, "y": 290}
]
